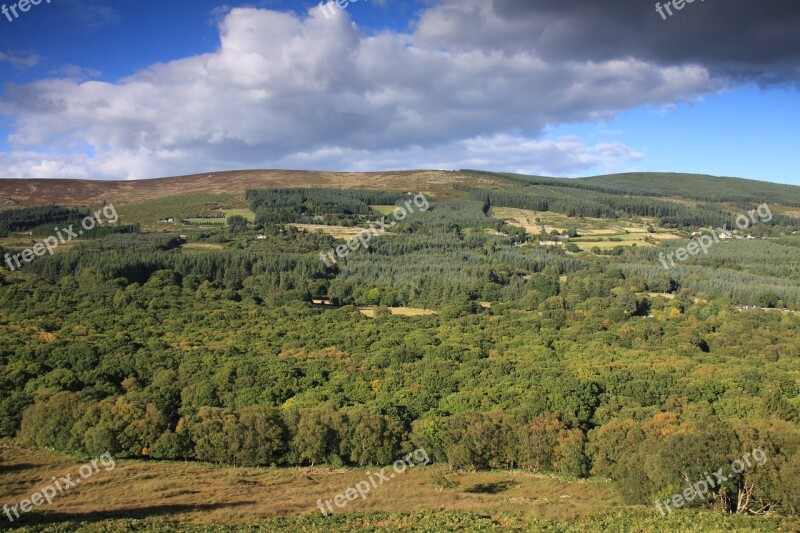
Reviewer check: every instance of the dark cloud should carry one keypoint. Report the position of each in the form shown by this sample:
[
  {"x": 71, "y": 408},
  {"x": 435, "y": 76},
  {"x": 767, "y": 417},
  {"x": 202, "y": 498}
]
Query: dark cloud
[{"x": 757, "y": 39}]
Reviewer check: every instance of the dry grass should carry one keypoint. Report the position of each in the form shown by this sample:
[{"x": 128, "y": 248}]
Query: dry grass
[
  {"x": 525, "y": 219},
  {"x": 202, "y": 246},
  {"x": 88, "y": 192},
  {"x": 399, "y": 311},
  {"x": 210, "y": 494},
  {"x": 337, "y": 232},
  {"x": 21, "y": 242},
  {"x": 665, "y": 236},
  {"x": 610, "y": 245},
  {"x": 661, "y": 295},
  {"x": 629, "y": 233}
]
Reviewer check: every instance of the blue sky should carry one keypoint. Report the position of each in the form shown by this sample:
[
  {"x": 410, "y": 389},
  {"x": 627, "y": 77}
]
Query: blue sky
[
  {"x": 127, "y": 90},
  {"x": 747, "y": 132}
]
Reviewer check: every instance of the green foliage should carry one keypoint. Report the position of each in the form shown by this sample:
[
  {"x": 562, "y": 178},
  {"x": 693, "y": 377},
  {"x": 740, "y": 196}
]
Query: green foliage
[
  {"x": 536, "y": 359},
  {"x": 27, "y": 218},
  {"x": 237, "y": 223},
  {"x": 690, "y": 186},
  {"x": 328, "y": 206}
]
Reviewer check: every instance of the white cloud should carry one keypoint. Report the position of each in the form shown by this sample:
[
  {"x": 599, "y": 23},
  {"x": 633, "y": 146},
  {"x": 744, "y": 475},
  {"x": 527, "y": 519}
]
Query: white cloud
[
  {"x": 311, "y": 92},
  {"x": 21, "y": 61}
]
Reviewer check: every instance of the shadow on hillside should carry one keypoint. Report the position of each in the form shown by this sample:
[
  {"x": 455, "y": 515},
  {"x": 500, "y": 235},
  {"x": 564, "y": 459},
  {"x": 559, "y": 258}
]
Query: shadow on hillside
[
  {"x": 44, "y": 518},
  {"x": 492, "y": 488},
  {"x": 8, "y": 469}
]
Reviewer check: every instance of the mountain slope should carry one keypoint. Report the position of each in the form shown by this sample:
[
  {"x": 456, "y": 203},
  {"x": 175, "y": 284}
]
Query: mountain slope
[
  {"x": 82, "y": 192},
  {"x": 441, "y": 183},
  {"x": 689, "y": 186}
]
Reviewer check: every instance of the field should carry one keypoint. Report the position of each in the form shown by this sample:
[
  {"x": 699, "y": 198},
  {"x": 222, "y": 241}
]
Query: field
[
  {"x": 384, "y": 209},
  {"x": 176, "y": 496},
  {"x": 246, "y": 213},
  {"x": 202, "y": 493},
  {"x": 527, "y": 220},
  {"x": 593, "y": 232},
  {"x": 20, "y": 241},
  {"x": 208, "y": 221},
  {"x": 339, "y": 232},
  {"x": 399, "y": 311},
  {"x": 150, "y": 213},
  {"x": 201, "y": 247}
]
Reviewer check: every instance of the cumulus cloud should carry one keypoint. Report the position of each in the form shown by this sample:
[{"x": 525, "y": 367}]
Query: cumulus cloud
[{"x": 284, "y": 90}]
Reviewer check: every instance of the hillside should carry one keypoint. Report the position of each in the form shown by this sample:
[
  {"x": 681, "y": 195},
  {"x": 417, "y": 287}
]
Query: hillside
[
  {"x": 698, "y": 187},
  {"x": 673, "y": 185},
  {"x": 521, "y": 338},
  {"x": 440, "y": 183},
  {"x": 88, "y": 192}
]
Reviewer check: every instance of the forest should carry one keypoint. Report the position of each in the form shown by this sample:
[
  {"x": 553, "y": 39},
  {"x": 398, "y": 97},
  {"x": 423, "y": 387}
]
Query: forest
[{"x": 583, "y": 365}]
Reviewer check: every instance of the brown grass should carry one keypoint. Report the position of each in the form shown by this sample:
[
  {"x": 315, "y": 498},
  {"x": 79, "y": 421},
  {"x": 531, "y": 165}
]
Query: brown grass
[
  {"x": 202, "y": 246},
  {"x": 89, "y": 192},
  {"x": 400, "y": 311},
  {"x": 523, "y": 218},
  {"x": 337, "y": 232},
  {"x": 203, "y": 493}
]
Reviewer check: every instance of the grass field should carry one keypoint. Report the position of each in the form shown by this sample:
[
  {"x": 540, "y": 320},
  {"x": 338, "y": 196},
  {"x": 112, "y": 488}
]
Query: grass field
[
  {"x": 221, "y": 220},
  {"x": 139, "y": 489},
  {"x": 527, "y": 220},
  {"x": 149, "y": 213},
  {"x": 612, "y": 233},
  {"x": 246, "y": 213},
  {"x": 176, "y": 496},
  {"x": 201, "y": 247},
  {"x": 399, "y": 311},
  {"x": 22, "y": 241},
  {"x": 211, "y": 221},
  {"x": 384, "y": 209},
  {"x": 337, "y": 232}
]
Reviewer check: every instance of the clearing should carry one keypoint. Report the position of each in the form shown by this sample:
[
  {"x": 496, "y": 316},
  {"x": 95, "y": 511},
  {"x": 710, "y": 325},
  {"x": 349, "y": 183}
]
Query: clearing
[
  {"x": 602, "y": 233},
  {"x": 400, "y": 311},
  {"x": 337, "y": 232}
]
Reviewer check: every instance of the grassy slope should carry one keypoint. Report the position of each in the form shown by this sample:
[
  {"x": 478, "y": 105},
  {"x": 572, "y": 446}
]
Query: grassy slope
[
  {"x": 205, "y": 493},
  {"x": 688, "y": 186},
  {"x": 83, "y": 192},
  {"x": 698, "y": 187},
  {"x": 150, "y": 496},
  {"x": 440, "y": 183}
]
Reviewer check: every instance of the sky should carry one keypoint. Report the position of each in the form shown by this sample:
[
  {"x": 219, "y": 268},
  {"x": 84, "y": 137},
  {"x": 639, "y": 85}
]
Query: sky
[{"x": 98, "y": 89}]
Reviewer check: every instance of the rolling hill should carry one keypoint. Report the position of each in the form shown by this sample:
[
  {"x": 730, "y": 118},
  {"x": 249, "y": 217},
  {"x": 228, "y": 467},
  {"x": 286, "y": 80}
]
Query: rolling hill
[
  {"x": 16, "y": 192},
  {"x": 82, "y": 192},
  {"x": 698, "y": 187}
]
